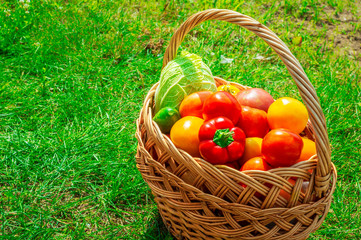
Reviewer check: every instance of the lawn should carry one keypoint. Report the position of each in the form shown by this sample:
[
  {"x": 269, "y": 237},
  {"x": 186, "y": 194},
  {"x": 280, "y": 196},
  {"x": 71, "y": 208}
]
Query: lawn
[{"x": 73, "y": 75}]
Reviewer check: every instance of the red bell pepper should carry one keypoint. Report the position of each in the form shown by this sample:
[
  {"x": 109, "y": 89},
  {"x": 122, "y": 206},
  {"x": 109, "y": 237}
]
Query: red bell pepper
[{"x": 220, "y": 141}]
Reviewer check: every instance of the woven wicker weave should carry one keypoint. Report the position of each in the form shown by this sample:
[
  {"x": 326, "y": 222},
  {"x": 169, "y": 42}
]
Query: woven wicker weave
[{"x": 198, "y": 200}]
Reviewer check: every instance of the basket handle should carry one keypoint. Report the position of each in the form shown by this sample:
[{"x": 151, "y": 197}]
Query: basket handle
[{"x": 307, "y": 91}]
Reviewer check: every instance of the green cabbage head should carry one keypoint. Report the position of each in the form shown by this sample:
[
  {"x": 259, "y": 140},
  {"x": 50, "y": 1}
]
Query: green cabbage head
[{"x": 184, "y": 75}]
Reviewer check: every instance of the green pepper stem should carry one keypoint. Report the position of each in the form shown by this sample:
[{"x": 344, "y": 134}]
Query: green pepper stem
[{"x": 223, "y": 137}]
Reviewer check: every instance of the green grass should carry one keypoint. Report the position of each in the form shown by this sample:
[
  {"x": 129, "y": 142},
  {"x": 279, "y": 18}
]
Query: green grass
[{"x": 74, "y": 74}]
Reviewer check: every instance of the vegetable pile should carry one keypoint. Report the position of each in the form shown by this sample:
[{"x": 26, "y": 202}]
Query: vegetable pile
[{"x": 244, "y": 129}]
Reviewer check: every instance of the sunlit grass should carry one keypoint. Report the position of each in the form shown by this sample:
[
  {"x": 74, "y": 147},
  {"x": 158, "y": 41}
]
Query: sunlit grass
[{"x": 74, "y": 75}]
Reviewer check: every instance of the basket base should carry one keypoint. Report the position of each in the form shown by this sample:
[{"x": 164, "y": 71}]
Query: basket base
[{"x": 186, "y": 228}]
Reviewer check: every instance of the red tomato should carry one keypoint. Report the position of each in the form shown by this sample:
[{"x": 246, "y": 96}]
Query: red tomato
[
  {"x": 281, "y": 148},
  {"x": 253, "y": 122},
  {"x": 305, "y": 186},
  {"x": 233, "y": 164},
  {"x": 256, "y": 163},
  {"x": 256, "y": 98},
  {"x": 222, "y": 104},
  {"x": 192, "y": 105}
]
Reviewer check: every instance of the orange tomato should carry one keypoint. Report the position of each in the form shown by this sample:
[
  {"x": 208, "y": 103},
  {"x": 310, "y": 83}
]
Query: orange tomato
[
  {"x": 252, "y": 148},
  {"x": 287, "y": 113},
  {"x": 192, "y": 105},
  {"x": 308, "y": 150},
  {"x": 256, "y": 163},
  {"x": 285, "y": 194},
  {"x": 184, "y": 134}
]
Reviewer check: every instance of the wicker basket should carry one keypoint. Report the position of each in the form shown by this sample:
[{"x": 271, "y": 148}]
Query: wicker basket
[{"x": 198, "y": 200}]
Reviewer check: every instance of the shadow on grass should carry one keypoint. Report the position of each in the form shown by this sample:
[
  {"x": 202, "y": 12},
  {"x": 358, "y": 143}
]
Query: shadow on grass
[{"x": 157, "y": 230}]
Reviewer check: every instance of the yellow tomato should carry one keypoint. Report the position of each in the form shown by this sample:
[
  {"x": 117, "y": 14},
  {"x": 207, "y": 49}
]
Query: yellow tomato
[
  {"x": 184, "y": 134},
  {"x": 288, "y": 113},
  {"x": 228, "y": 88},
  {"x": 252, "y": 148}
]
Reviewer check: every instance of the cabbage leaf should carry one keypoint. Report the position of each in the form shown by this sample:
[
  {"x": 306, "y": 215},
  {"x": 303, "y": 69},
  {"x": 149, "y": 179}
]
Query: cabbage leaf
[{"x": 184, "y": 75}]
